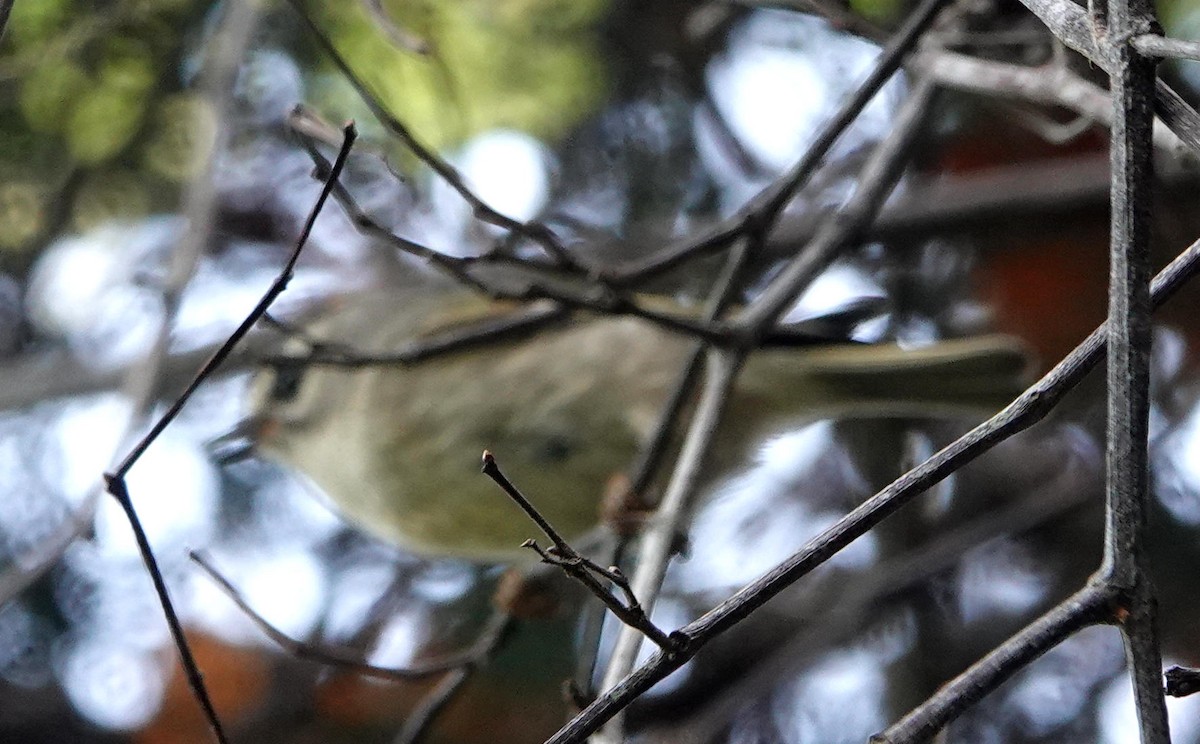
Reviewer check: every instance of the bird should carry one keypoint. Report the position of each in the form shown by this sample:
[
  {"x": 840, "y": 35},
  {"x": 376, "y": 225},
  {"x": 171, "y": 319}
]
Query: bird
[{"x": 395, "y": 448}]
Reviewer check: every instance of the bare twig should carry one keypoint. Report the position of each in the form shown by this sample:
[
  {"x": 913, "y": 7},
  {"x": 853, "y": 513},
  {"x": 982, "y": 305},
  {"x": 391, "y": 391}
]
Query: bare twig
[
  {"x": 1153, "y": 45},
  {"x": 1010, "y": 194},
  {"x": 855, "y": 604},
  {"x": 454, "y": 267},
  {"x": 652, "y": 453},
  {"x": 115, "y": 480},
  {"x": 723, "y": 293},
  {"x": 518, "y": 324},
  {"x": 330, "y": 656},
  {"x": 1027, "y": 409},
  {"x": 879, "y": 175},
  {"x": 1052, "y": 84},
  {"x": 577, "y": 566},
  {"x": 417, "y": 724},
  {"x": 660, "y": 540},
  {"x": 276, "y": 288},
  {"x": 536, "y": 282}
]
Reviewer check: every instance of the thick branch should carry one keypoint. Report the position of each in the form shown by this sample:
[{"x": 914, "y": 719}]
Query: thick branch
[
  {"x": 1126, "y": 565},
  {"x": 1089, "y": 606}
]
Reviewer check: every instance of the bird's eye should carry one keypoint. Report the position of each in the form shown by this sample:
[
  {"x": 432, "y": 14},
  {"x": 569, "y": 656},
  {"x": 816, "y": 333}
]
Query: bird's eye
[
  {"x": 554, "y": 448},
  {"x": 286, "y": 385}
]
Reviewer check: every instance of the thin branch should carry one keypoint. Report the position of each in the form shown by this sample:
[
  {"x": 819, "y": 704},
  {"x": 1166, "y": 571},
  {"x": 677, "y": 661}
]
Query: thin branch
[
  {"x": 577, "y": 566},
  {"x": 421, "y": 718},
  {"x": 532, "y": 283},
  {"x": 115, "y": 481},
  {"x": 841, "y": 614},
  {"x": 652, "y": 453},
  {"x": 1009, "y": 194},
  {"x": 1052, "y": 84},
  {"x": 191, "y": 670},
  {"x": 518, "y": 324},
  {"x": 1153, "y": 45},
  {"x": 454, "y": 267},
  {"x": 760, "y": 214},
  {"x": 1030, "y": 407},
  {"x": 875, "y": 183},
  {"x": 330, "y": 656},
  {"x": 722, "y": 294},
  {"x": 277, "y": 287}
]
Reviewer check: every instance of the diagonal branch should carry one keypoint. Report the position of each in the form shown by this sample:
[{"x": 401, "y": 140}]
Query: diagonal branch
[
  {"x": 1091, "y": 605},
  {"x": 333, "y": 657},
  {"x": 1029, "y": 408}
]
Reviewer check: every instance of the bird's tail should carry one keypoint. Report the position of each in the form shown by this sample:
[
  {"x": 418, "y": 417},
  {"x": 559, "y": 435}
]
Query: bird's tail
[{"x": 968, "y": 376}]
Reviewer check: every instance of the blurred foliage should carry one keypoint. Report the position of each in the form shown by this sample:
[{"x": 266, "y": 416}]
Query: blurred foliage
[
  {"x": 93, "y": 125},
  {"x": 532, "y": 65},
  {"x": 883, "y": 12}
]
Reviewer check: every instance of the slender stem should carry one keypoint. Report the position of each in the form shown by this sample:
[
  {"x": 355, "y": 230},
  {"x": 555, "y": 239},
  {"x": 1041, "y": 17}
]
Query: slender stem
[
  {"x": 660, "y": 540},
  {"x": 334, "y": 657},
  {"x": 1153, "y": 45},
  {"x": 1069, "y": 23},
  {"x": 535, "y": 231},
  {"x": 259, "y": 310}
]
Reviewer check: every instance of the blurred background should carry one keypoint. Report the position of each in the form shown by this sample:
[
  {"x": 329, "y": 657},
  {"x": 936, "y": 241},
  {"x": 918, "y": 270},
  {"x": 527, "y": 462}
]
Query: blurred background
[{"x": 622, "y": 126}]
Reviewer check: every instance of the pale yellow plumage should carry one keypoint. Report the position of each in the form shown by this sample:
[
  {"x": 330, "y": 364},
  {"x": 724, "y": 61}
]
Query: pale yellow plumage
[{"x": 397, "y": 449}]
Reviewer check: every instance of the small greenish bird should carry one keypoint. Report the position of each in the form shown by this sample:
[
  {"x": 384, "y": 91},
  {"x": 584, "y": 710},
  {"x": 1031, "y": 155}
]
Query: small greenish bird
[{"x": 397, "y": 449}]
